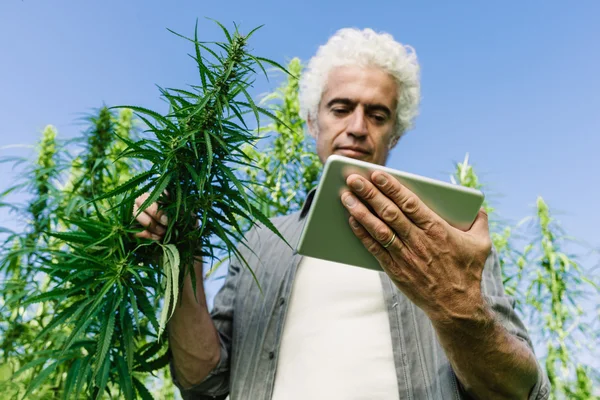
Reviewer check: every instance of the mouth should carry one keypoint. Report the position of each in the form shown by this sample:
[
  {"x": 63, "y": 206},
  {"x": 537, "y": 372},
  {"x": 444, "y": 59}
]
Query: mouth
[{"x": 354, "y": 152}]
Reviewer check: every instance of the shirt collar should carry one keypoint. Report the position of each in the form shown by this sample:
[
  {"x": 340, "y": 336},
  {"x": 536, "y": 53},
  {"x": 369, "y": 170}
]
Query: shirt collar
[{"x": 307, "y": 203}]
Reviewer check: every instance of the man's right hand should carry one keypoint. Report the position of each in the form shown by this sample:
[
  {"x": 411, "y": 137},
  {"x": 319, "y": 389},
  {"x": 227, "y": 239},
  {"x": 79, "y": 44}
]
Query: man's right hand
[{"x": 151, "y": 218}]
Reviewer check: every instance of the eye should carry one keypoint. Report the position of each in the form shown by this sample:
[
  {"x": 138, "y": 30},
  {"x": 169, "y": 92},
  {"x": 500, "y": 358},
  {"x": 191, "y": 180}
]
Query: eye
[
  {"x": 339, "y": 111},
  {"x": 379, "y": 118}
]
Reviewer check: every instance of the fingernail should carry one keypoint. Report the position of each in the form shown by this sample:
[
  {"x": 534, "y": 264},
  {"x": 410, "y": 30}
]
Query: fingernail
[
  {"x": 380, "y": 180},
  {"x": 155, "y": 237},
  {"x": 164, "y": 220},
  {"x": 354, "y": 224},
  {"x": 357, "y": 185},
  {"x": 349, "y": 200}
]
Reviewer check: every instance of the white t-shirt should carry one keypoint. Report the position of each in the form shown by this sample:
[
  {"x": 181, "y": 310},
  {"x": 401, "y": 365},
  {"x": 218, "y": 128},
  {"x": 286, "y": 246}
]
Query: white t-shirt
[{"x": 336, "y": 341}]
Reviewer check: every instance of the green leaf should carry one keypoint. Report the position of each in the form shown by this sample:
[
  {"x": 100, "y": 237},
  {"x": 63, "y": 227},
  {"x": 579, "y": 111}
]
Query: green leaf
[
  {"x": 225, "y": 31},
  {"x": 266, "y": 222},
  {"x": 209, "y": 149},
  {"x": 105, "y": 337},
  {"x": 130, "y": 184},
  {"x": 125, "y": 378},
  {"x": 175, "y": 261},
  {"x": 146, "y": 307},
  {"x": 141, "y": 390},
  {"x": 154, "y": 365},
  {"x": 272, "y": 63},
  {"x": 41, "y": 378},
  {"x": 83, "y": 322},
  {"x": 237, "y": 184},
  {"x": 168, "y": 291},
  {"x": 71, "y": 312},
  {"x": 102, "y": 377},
  {"x": 56, "y": 294},
  {"x": 161, "y": 186},
  {"x": 83, "y": 375},
  {"x": 71, "y": 378},
  {"x": 153, "y": 114}
]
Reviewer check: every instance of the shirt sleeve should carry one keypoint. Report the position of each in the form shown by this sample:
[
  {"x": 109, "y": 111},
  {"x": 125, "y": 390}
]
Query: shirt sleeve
[
  {"x": 503, "y": 306},
  {"x": 216, "y": 384}
]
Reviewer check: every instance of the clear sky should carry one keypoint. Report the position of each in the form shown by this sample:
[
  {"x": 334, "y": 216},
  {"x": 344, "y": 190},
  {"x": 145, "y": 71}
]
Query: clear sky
[{"x": 515, "y": 84}]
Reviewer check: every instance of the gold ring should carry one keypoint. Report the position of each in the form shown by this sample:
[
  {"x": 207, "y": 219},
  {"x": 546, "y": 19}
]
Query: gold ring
[{"x": 388, "y": 244}]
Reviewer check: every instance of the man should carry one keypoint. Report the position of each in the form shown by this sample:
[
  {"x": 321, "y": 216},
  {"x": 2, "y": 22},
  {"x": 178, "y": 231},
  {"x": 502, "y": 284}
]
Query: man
[{"x": 435, "y": 324}]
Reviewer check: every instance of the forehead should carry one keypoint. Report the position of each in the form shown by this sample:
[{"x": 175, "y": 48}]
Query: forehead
[{"x": 369, "y": 85}]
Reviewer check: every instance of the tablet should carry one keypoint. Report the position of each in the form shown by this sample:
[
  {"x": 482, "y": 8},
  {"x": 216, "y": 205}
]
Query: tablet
[{"x": 327, "y": 234}]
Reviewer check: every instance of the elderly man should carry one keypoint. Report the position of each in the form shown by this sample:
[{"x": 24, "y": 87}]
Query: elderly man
[{"x": 436, "y": 324}]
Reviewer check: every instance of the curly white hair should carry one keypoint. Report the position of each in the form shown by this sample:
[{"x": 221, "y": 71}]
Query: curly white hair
[{"x": 350, "y": 46}]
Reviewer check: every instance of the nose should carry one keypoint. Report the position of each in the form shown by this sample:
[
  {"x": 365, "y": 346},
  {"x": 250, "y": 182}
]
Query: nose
[{"x": 357, "y": 125}]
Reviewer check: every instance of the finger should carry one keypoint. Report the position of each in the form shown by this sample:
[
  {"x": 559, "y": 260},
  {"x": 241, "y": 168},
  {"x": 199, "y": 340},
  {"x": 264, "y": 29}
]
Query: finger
[
  {"x": 148, "y": 222},
  {"x": 480, "y": 227},
  {"x": 147, "y": 235},
  {"x": 408, "y": 202},
  {"x": 141, "y": 199},
  {"x": 375, "y": 248},
  {"x": 382, "y": 205},
  {"x": 152, "y": 209},
  {"x": 378, "y": 230},
  {"x": 157, "y": 214}
]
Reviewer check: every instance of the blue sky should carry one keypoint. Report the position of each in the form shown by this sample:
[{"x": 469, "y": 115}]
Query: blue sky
[{"x": 513, "y": 83}]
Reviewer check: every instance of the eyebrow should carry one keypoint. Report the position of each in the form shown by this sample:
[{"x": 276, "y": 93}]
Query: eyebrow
[{"x": 352, "y": 103}]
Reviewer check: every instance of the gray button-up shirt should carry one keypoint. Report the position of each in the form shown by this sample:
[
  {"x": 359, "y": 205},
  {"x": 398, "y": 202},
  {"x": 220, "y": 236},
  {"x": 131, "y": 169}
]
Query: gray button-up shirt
[{"x": 250, "y": 325}]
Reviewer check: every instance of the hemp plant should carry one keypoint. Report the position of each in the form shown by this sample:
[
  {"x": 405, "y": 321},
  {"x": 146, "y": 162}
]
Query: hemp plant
[
  {"x": 21, "y": 255},
  {"x": 550, "y": 288},
  {"x": 288, "y": 166},
  {"x": 107, "y": 279}
]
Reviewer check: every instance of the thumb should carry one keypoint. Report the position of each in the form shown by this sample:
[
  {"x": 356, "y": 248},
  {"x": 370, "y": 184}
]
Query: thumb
[{"x": 480, "y": 226}]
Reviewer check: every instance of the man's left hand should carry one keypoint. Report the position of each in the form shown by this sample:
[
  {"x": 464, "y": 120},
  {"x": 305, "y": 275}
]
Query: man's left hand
[{"x": 437, "y": 266}]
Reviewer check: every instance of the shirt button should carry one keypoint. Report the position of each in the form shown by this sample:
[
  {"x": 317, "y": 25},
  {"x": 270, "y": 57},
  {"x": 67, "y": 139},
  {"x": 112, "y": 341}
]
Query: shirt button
[
  {"x": 271, "y": 355},
  {"x": 281, "y": 301}
]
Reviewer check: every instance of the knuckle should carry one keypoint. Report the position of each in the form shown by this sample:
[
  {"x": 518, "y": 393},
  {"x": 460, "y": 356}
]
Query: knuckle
[
  {"x": 486, "y": 245},
  {"x": 434, "y": 229},
  {"x": 392, "y": 190},
  {"x": 369, "y": 193},
  {"x": 360, "y": 233},
  {"x": 389, "y": 213},
  {"x": 373, "y": 248},
  {"x": 359, "y": 213},
  {"x": 382, "y": 232},
  {"x": 410, "y": 205}
]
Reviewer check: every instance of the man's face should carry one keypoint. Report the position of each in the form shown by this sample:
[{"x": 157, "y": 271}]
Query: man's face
[{"x": 357, "y": 114}]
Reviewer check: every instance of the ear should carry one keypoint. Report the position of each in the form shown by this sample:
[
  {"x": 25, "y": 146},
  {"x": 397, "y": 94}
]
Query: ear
[{"x": 312, "y": 129}]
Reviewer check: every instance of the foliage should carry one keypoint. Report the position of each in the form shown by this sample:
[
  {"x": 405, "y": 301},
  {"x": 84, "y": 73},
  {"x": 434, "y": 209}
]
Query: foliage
[
  {"x": 103, "y": 283},
  {"x": 288, "y": 166},
  {"x": 550, "y": 286},
  {"x": 83, "y": 304}
]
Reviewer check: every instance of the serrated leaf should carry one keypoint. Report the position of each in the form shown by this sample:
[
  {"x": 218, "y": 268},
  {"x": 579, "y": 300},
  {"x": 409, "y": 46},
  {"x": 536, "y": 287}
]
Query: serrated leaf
[
  {"x": 71, "y": 378},
  {"x": 160, "y": 187},
  {"x": 209, "y": 149},
  {"x": 71, "y": 312},
  {"x": 104, "y": 339},
  {"x": 154, "y": 365},
  {"x": 56, "y": 294},
  {"x": 41, "y": 378},
  {"x": 130, "y": 184},
  {"x": 168, "y": 292},
  {"x": 174, "y": 265},
  {"x": 141, "y": 390},
  {"x": 146, "y": 307},
  {"x": 125, "y": 378},
  {"x": 82, "y": 375},
  {"x": 102, "y": 377}
]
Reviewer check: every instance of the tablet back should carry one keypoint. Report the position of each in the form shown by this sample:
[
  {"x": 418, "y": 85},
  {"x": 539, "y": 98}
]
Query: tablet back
[{"x": 327, "y": 234}]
